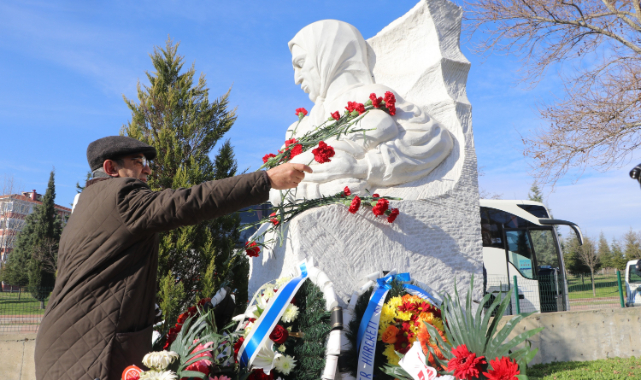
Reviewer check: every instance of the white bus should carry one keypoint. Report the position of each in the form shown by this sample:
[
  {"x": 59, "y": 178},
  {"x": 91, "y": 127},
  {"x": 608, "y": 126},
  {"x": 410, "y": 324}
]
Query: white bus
[{"x": 519, "y": 239}]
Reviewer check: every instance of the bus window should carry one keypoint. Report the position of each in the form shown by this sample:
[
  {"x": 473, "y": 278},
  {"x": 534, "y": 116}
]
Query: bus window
[
  {"x": 520, "y": 252},
  {"x": 634, "y": 275},
  {"x": 545, "y": 248}
]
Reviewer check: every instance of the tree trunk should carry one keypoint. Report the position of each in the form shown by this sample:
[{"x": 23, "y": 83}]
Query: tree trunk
[
  {"x": 42, "y": 305},
  {"x": 593, "y": 288},
  {"x": 582, "y": 279}
]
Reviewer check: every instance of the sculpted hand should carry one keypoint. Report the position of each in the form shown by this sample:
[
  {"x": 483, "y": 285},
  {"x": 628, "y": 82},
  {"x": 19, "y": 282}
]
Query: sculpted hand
[
  {"x": 287, "y": 176},
  {"x": 343, "y": 165}
]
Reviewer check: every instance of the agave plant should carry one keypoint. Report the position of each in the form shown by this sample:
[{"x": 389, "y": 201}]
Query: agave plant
[{"x": 479, "y": 332}]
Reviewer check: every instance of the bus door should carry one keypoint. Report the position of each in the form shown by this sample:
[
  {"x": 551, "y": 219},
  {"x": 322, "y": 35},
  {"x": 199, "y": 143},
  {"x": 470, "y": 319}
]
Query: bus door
[
  {"x": 521, "y": 262},
  {"x": 549, "y": 270}
]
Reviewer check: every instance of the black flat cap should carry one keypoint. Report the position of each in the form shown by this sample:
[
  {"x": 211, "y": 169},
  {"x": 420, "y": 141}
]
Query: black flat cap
[{"x": 114, "y": 147}]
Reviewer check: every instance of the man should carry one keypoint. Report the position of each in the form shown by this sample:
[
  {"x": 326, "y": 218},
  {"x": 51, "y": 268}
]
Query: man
[{"x": 100, "y": 314}]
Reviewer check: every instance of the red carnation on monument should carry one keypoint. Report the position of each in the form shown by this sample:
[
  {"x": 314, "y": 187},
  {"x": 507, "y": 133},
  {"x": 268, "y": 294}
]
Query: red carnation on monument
[
  {"x": 375, "y": 195},
  {"x": 360, "y": 108},
  {"x": 267, "y": 157},
  {"x": 465, "y": 364},
  {"x": 237, "y": 346},
  {"x": 502, "y": 369},
  {"x": 300, "y": 111},
  {"x": 296, "y": 150},
  {"x": 390, "y": 102},
  {"x": 350, "y": 106},
  {"x": 252, "y": 249},
  {"x": 323, "y": 153},
  {"x": 376, "y": 102},
  {"x": 392, "y": 216},
  {"x": 356, "y": 204},
  {"x": 336, "y": 115},
  {"x": 346, "y": 191},
  {"x": 381, "y": 206}
]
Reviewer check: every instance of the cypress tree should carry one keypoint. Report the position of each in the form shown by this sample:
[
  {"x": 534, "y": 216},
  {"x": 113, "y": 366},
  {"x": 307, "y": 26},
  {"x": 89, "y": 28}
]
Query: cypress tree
[{"x": 175, "y": 115}]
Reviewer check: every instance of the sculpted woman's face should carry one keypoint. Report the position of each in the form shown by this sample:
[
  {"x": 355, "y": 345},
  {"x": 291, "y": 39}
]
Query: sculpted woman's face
[{"x": 305, "y": 73}]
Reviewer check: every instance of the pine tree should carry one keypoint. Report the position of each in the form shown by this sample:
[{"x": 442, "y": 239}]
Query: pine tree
[{"x": 176, "y": 117}]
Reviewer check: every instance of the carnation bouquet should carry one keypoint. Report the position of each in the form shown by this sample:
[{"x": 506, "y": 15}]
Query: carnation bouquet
[
  {"x": 473, "y": 347},
  {"x": 290, "y": 330},
  {"x": 389, "y": 316}
]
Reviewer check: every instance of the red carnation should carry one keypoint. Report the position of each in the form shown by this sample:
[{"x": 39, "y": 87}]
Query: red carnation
[
  {"x": 356, "y": 204},
  {"x": 237, "y": 347},
  {"x": 392, "y": 216},
  {"x": 290, "y": 142},
  {"x": 252, "y": 249},
  {"x": 375, "y": 195},
  {"x": 502, "y": 369},
  {"x": 381, "y": 206},
  {"x": 350, "y": 106},
  {"x": 360, "y": 108},
  {"x": 296, "y": 150},
  {"x": 376, "y": 102},
  {"x": 279, "y": 335},
  {"x": 323, "y": 153},
  {"x": 267, "y": 157},
  {"x": 336, "y": 115},
  {"x": 203, "y": 301},
  {"x": 465, "y": 364},
  {"x": 274, "y": 220},
  {"x": 182, "y": 318},
  {"x": 301, "y": 110},
  {"x": 191, "y": 310},
  {"x": 346, "y": 191},
  {"x": 390, "y": 102}
]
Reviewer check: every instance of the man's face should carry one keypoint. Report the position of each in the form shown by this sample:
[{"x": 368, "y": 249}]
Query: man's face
[{"x": 133, "y": 166}]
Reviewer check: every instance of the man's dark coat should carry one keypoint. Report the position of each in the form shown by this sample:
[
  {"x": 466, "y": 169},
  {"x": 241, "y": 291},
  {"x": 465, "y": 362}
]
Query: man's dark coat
[{"x": 100, "y": 314}]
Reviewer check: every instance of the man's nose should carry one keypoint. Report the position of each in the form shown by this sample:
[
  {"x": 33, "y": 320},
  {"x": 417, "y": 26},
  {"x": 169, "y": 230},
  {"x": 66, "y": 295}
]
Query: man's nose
[{"x": 146, "y": 169}]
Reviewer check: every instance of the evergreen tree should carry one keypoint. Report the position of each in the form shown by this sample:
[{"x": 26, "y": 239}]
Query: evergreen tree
[
  {"x": 604, "y": 252},
  {"x": 27, "y": 264},
  {"x": 175, "y": 115},
  {"x": 572, "y": 257},
  {"x": 535, "y": 193},
  {"x": 618, "y": 258},
  {"x": 632, "y": 245}
]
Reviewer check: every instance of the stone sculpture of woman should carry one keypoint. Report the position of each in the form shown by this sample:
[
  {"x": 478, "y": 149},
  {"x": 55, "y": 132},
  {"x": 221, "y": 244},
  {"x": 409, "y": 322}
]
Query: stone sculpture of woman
[{"x": 330, "y": 60}]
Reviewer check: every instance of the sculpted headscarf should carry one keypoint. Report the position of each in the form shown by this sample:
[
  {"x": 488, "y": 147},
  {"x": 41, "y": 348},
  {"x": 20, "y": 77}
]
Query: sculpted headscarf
[{"x": 420, "y": 144}]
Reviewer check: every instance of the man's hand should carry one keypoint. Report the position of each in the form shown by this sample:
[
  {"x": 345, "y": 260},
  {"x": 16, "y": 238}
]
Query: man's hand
[{"x": 287, "y": 176}]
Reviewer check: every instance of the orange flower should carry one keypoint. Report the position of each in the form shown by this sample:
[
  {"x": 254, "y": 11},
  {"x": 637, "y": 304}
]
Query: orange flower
[{"x": 389, "y": 336}]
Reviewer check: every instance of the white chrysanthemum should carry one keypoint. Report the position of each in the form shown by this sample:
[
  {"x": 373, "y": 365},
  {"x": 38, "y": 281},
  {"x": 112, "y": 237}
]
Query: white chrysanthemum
[
  {"x": 282, "y": 348},
  {"x": 284, "y": 364},
  {"x": 268, "y": 293},
  {"x": 158, "y": 375},
  {"x": 159, "y": 360},
  {"x": 282, "y": 281},
  {"x": 290, "y": 314}
]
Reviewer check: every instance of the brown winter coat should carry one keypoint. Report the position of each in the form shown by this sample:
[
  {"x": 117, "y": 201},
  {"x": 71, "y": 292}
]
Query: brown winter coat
[{"x": 100, "y": 314}]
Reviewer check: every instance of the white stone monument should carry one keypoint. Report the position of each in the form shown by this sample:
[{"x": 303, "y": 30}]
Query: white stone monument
[{"x": 424, "y": 154}]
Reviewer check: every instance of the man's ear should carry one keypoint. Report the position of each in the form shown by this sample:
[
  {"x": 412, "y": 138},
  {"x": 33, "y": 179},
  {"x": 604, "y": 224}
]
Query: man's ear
[{"x": 110, "y": 168}]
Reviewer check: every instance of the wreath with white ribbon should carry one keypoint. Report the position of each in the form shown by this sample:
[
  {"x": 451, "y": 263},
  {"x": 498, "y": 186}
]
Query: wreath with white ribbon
[{"x": 292, "y": 326}]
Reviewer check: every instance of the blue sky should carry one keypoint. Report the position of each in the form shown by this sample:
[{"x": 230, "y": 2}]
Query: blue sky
[{"x": 66, "y": 66}]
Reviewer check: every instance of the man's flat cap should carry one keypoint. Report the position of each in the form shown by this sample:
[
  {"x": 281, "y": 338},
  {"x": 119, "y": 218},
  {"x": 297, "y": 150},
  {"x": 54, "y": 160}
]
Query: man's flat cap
[{"x": 114, "y": 147}]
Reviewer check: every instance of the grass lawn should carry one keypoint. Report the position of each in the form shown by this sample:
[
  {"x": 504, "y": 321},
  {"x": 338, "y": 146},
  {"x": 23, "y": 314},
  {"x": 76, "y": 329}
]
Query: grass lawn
[
  {"x": 605, "y": 369},
  {"x": 25, "y": 305},
  {"x": 605, "y": 286}
]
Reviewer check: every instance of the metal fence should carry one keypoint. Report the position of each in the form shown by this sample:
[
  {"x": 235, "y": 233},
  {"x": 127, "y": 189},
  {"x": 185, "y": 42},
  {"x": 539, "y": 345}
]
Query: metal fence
[
  {"x": 548, "y": 293},
  {"x": 22, "y": 308}
]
